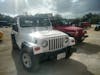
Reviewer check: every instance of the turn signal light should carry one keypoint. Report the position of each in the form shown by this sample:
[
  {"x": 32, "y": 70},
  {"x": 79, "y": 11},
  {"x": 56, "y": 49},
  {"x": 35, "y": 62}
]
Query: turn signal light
[{"x": 37, "y": 48}]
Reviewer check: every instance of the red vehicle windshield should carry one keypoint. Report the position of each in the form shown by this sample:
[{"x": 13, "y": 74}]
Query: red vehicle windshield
[{"x": 60, "y": 22}]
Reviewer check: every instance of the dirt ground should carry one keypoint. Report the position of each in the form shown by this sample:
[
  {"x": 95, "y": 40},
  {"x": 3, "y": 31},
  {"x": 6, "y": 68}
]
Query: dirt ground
[{"x": 86, "y": 61}]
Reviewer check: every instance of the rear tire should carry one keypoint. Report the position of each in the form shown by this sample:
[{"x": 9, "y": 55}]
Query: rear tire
[{"x": 29, "y": 61}]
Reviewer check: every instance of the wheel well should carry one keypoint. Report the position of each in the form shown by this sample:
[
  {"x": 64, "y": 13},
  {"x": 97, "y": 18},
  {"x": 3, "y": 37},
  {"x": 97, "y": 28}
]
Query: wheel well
[
  {"x": 25, "y": 47},
  {"x": 13, "y": 36}
]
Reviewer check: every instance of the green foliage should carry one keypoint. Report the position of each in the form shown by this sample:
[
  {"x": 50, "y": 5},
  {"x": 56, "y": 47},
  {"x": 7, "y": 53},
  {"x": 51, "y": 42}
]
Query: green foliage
[
  {"x": 90, "y": 17},
  {"x": 6, "y": 18},
  {"x": 57, "y": 16}
]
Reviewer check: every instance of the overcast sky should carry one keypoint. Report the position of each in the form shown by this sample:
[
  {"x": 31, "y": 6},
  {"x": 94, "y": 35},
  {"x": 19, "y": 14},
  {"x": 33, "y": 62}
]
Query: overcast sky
[{"x": 68, "y": 8}]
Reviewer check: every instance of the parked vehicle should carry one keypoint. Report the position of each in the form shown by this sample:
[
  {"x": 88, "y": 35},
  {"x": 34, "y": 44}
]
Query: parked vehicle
[
  {"x": 84, "y": 24},
  {"x": 1, "y": 35},
  {"x": 37, "y": 41},
  {"x": 97, "y": 28},
  {"x": 4, "y": 24},
  {"x": 78, "y": 33}
]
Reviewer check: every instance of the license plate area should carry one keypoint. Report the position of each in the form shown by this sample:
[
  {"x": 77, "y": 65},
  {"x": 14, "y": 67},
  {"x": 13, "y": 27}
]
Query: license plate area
[{"x": 61, "y": 55}]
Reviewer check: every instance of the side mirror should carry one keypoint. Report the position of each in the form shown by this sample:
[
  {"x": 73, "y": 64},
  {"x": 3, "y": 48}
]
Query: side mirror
[{"x": 15, "y": 27}]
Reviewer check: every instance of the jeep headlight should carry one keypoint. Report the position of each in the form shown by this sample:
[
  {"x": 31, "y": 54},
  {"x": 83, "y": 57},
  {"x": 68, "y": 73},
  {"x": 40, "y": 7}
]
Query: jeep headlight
[
  {"x": 66, "y": 39},
  {"x": 45, "y": 43}
]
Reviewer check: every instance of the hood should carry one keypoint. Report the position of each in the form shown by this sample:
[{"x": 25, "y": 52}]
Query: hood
[
  {"x": 73, "y": 28},
  {"x": 46, "y": 34},
  {"x": 30, "y": 34}
]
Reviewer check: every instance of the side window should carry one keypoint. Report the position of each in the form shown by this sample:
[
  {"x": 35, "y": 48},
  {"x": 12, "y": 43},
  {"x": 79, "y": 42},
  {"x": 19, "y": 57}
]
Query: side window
[{"x": 15, "y": 27}]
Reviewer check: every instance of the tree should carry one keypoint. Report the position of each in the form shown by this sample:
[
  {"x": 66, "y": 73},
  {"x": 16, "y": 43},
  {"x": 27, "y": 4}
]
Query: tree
[
  {"x": 6, "y": 18},
  {"x": 87, "y": 17},
  {"x": 57, "y": 16}
]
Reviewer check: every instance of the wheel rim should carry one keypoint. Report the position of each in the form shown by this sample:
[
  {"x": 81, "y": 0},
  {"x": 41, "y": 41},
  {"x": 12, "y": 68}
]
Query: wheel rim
[{"x": 26, "y": 60}]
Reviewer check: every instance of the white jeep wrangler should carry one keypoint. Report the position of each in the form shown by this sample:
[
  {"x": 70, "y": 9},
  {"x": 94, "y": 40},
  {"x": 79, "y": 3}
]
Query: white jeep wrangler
[{"x": 37, "y": 41}]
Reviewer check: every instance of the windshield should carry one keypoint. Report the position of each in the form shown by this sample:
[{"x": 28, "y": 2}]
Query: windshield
[
  {"x": 56, "y": 22},
  {"x": 60, "y": 22},
  {"x": 64, "y": 22},
  {"x": 34, "y": 22}
]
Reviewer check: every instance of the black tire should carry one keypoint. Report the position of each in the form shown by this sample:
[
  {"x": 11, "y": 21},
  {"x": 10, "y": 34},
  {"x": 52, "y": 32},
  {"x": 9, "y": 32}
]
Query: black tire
[
  {"x": 33, "y": 63},
  {"x": 14, "y": 45},
  {"x": 1, "y": 41},
  {"x": 80, "y": 41},
  {"x": 96, "y": 29},
  {"x": 68, "y": 52}
]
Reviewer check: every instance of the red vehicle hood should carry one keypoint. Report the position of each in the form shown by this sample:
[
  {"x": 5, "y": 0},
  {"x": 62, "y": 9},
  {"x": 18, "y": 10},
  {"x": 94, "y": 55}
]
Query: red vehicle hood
[
  {"x": 69, "y": 28},
  {"x": 72, "y": 28}
]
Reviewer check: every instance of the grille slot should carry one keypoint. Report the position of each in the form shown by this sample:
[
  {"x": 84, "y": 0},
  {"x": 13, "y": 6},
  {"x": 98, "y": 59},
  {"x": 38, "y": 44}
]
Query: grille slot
[{"x": 55, "y": 43}]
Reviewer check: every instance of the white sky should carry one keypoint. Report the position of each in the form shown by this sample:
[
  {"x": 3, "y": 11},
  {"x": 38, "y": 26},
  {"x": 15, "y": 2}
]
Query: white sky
[{"x": 68, "y": 8}]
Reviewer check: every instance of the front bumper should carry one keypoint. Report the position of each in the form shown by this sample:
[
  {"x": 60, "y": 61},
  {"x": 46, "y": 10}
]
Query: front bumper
[
  {"x": 81, "y": 38},
  {"x": 51, "y": 55}
]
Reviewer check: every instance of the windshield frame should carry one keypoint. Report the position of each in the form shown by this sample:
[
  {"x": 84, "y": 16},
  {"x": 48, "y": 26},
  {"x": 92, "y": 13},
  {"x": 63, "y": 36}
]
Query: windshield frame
[
  {"x": 60, "y": 22},
  {"x": 38, "y": 20}
]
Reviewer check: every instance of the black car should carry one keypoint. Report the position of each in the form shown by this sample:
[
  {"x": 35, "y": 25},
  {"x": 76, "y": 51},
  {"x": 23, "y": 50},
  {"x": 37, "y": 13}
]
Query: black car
[{"x": 97, "y": 28}]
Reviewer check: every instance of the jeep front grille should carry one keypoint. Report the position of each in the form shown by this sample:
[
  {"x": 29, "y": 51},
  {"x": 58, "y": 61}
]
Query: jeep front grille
[{"x": 55, "y": 43}]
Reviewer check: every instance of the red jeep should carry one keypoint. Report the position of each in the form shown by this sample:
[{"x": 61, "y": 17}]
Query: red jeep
[
  {"x": 84, "y": 24},
  {"x": 78, "y": 33}
]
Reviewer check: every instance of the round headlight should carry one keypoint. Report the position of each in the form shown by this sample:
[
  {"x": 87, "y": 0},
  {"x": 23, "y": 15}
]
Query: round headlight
[
  {"x": 45, "y": 43},
  {"x": 66, "y": 39}
]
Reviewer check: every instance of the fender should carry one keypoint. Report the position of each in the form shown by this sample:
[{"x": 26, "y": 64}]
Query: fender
[
  {"x": 30, "y": 48},
  {"x": 26, "y": 47}
]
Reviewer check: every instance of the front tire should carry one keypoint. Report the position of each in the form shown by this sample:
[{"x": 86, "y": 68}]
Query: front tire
[
  {"x": 80, "y": 40},
  {"x": 68, "y": 52},
  {"x": 14, "y": 45},
  {"x": 30, "y": 62}
]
